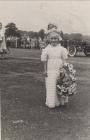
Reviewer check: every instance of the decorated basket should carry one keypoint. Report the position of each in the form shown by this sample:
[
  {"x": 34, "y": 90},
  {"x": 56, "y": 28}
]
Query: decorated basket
[{"x": 66, "y": 82}]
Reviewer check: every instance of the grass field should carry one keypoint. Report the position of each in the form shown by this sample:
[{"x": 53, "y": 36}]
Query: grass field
[{"x": 24, "y": 115}]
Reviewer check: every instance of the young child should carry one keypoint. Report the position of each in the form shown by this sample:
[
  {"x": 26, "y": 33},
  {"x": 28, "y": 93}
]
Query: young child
[
  {"x": 53, "y": 57},
  {"x": 2, "y": 41}
]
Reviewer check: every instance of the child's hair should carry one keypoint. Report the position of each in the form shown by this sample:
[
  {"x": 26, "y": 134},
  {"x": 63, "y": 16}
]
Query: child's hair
[{"x": 51, "y": 25}]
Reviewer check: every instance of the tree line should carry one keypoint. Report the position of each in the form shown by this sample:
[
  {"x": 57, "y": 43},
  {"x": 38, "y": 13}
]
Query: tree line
[{"x": 12, "y": 30}]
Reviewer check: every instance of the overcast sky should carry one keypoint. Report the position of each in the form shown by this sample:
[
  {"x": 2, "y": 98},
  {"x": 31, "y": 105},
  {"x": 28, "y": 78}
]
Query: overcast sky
[{"x": 70, "y": 16}]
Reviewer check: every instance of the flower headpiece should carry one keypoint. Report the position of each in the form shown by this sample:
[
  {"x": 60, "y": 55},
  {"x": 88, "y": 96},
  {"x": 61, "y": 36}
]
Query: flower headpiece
[{"x": 52, "y": 30}]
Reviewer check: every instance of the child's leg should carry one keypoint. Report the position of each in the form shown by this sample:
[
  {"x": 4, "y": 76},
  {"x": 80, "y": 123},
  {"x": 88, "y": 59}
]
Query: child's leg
[
  {"x": 51, "y": 95},
  {"x": 64, "y": 100}
]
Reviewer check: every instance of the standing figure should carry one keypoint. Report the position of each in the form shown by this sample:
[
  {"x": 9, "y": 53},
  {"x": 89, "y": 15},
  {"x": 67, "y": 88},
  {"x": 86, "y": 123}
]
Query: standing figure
[
  {"x": 53, "y": 57},
  {"x": 2, "y": 41}
]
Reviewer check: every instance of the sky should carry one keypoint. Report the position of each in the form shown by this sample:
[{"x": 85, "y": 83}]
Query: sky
[{"x": 69, "y": 16}]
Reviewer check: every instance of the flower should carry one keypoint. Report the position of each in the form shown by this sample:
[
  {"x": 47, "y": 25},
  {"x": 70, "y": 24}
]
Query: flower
[
  {"x": 66, "y": 83},
  {"x": 70, "y": 66}
]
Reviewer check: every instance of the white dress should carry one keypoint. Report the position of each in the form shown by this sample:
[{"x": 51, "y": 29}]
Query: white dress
[
  {"x": 2, "y": 40},
  {"x": 55, "y": 57}
]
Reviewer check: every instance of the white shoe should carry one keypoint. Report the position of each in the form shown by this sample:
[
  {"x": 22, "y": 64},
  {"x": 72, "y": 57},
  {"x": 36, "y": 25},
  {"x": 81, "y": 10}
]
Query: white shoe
[{"x": 50, "y": 106}]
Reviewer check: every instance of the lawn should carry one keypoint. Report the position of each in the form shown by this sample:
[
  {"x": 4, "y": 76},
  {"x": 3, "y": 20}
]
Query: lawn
[{"x": 24, "y": 115}]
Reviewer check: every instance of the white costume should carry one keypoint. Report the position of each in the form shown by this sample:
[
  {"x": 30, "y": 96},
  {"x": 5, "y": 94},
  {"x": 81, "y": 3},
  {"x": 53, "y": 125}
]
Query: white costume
[
  {"x": 55, "y": 56},
  {"x": 2, "y": 40}
]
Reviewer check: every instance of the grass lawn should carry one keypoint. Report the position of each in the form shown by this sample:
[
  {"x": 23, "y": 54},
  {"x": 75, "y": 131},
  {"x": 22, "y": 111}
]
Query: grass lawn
[{"x": 24, "y": 115}]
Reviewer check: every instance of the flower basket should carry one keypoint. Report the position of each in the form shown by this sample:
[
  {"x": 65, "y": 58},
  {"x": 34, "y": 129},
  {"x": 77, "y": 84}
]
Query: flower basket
[{"x": 66, "y": 82}]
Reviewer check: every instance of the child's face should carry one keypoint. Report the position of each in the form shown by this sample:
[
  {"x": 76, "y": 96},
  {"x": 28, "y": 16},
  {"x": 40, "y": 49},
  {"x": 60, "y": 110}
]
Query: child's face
[{"x": 54, "y": 41}]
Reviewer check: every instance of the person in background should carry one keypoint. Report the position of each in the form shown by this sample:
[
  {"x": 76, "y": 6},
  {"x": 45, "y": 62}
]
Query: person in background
[
  {"x": 2, "y": 41},
  {"x": 53, "y": 58}
]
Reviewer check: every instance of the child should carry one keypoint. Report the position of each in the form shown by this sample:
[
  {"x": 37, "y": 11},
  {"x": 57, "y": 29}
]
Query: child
[
  {"x": 2, "y": 41},
  {"x": 53, "y": 57}
]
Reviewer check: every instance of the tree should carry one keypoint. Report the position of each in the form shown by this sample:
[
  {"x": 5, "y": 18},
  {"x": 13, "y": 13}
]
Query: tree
[
  {"x": 33, "y": 34},
  {"x": 76, "y": 36},
  {"x": 41, "y": 34},
  {"x": 73, "y": 36},
  {"x": 12, "y": 30}
]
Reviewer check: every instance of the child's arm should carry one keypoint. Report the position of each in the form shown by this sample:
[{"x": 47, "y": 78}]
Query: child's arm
[
  {"x": 45, "y": 68},
  {"x": 44, "y": 59}
]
